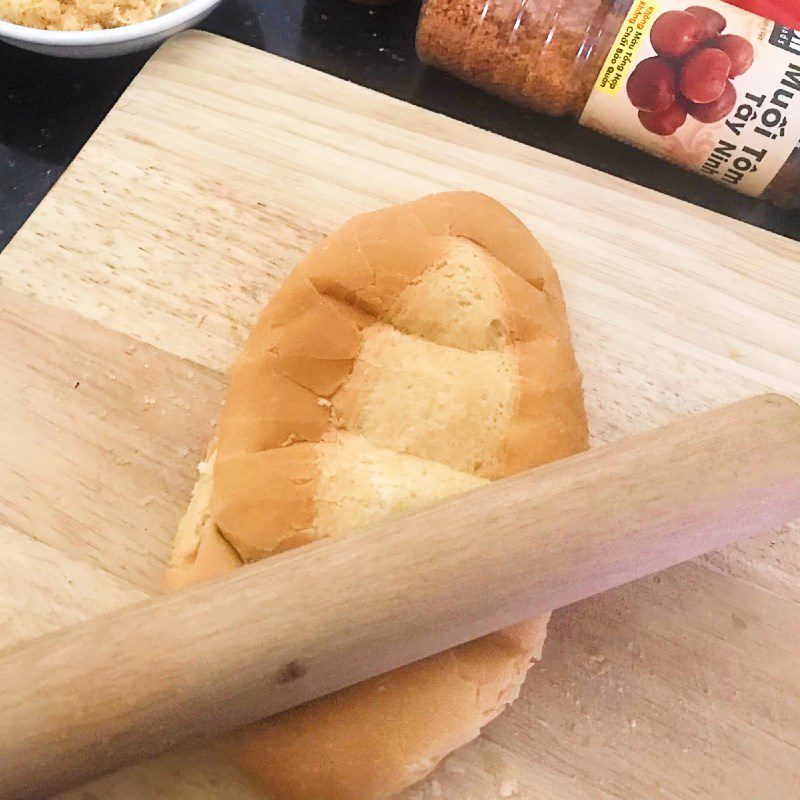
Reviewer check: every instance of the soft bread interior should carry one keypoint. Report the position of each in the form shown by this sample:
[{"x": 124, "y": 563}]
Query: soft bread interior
[
  {"x": 456, "y": 302},
  {"x": 360, "y": 484},
  {"x": 440, "y": 403},
  {"x": 417, "y": 353}
]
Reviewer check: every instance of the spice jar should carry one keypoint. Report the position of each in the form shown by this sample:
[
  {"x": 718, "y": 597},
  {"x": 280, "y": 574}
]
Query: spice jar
[{"x": 712, "y": 87}]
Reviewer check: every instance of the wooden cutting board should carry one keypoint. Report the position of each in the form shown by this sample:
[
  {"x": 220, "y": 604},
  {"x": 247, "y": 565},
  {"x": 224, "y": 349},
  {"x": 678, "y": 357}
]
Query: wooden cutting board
[{"x": 127, "y": 295}]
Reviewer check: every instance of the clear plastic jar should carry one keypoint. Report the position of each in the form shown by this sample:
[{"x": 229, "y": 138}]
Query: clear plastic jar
[{"x": 543, "y": 54}]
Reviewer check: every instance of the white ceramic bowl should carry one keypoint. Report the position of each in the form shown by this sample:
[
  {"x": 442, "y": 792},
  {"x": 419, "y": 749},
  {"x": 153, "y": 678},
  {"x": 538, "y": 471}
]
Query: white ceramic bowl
[{"x": 111, "y": 42}]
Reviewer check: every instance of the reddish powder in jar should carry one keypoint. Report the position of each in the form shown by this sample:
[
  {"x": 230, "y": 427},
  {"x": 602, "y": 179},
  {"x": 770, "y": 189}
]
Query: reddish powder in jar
[{"x": 542, "y": 54}]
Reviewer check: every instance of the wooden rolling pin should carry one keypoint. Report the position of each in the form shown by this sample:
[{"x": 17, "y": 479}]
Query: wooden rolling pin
[{"x": 192, "y": 664}]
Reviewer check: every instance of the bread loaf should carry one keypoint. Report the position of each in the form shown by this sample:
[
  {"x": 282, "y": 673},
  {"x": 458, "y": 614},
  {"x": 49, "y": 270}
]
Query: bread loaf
[{"x": 416, "y": 353}]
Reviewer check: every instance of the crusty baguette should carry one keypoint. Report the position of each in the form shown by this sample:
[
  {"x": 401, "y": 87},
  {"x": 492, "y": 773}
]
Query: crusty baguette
[{"x": 416, "y": 353}]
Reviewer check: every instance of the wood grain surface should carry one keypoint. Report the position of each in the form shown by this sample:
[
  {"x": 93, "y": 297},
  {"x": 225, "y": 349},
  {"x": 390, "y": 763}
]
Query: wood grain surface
[
  {"x": 128, "y": 293},
  {"x": 191, "y": 665}
]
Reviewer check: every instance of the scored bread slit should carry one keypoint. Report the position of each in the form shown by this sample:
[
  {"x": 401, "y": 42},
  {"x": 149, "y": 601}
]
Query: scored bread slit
[{"x": 415, "y": 354}]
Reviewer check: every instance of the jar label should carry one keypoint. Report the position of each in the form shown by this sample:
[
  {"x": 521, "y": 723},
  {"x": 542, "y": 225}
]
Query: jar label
[{"x": 712, "y": 88}]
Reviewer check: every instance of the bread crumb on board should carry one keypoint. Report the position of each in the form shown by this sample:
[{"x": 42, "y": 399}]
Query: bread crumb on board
[
  {"x": 509, "y": 787},
  {"x": 82, "y": 15}
]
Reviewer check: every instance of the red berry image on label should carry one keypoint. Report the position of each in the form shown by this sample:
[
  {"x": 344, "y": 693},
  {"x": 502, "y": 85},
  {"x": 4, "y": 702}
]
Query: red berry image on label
[
  {"x": 676, "y": 33},
  {"x": 691, "y": 75},
  {"x": 664, "y": 123},
  {"x": 738, "y": 50},
  {"x": 704, "y": 75},
  {"x": 711, "y": 22},
  {"x": 717, "y": 109},
  {"x": 652, "y": 86},
  {"x": 706, "y": 86}
]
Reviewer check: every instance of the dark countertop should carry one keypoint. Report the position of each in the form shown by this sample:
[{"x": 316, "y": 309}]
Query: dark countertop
[{"x": 49, "y": 107}]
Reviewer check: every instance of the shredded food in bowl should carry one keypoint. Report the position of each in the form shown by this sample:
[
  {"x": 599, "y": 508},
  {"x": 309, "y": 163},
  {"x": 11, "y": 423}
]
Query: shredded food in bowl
[{"x": 82, "y": 15}]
